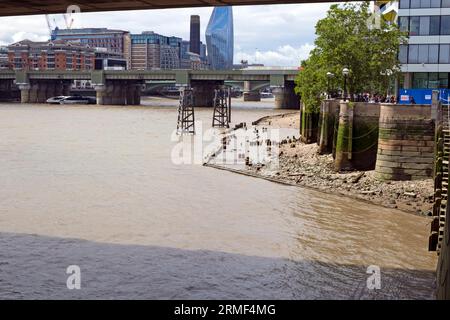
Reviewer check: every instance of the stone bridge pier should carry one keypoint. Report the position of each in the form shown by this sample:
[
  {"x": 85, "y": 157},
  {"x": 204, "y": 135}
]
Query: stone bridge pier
[
  {"x": 8, "y": 90},
  {"x": 119, "y": 92},
  {"x": 204, "y": 92},
  {"x": 250, "y": 93},
  {"x": 38, "y": 91},
  {"x": 285, "y": 97}
]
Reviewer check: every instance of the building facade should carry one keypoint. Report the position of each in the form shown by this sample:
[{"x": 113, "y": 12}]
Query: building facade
[
  {"x": 105, "y": 60},
  {"x": 52, "y": 55},
  {"x": 220, "y": 38},
  {"x": 150, "y": 50},
  {"x": 114, "y": 41},
  {"x": 4, "y": 61},
  {"x": 426, "y": 58},
  {"x": 191, "y": 60}
]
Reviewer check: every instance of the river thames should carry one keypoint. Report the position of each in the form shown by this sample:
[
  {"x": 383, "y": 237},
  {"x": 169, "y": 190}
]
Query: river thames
[{"x": 96, "y": 187}]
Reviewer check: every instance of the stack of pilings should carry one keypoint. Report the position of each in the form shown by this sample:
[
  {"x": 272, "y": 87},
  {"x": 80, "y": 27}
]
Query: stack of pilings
[
  {"x": 309, "y": 122},
  {"x": 329, "y": 115}
]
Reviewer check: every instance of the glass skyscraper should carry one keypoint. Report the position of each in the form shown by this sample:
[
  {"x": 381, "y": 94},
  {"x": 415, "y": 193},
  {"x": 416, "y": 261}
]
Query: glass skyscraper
[{"x": 220, "y": 38}]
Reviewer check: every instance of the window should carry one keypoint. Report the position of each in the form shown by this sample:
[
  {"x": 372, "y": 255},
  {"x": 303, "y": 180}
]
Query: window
[
  {"x": 403, "y": 54},
  {"x": 443, "y": 80},
  {"x": 425, "y": 3},
  {"x": 445, "y": 3},
  {"x": 414, "y": 4},
  {"x": 434, "y": 25},
  {"x": 423, "y": 54},
  {"x": 414, "y": 26},
  {"x": 433, "y": 80},
  {"x": 413, "y": 53},
  {"x": 433, "y": 53},
  {"x": 445, "y": 25},
  {"x": 404, "y": 4},
  {"x": 420, "y": 80},
  {"x": 404, "y": 24},
  {"x": 435, "y": 4},
  {"x": 444, "y": 53},
  {"x": 424, "y": 29}
]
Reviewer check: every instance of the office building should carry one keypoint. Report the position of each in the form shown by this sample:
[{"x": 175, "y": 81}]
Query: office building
[
  {"x": 194, "y": 40},
  {"x": 426, "y": 58},
  {"x": 114, "y": 41},
  {"x": 220, "y": 38},
  {"x": 150, "y": 50}
]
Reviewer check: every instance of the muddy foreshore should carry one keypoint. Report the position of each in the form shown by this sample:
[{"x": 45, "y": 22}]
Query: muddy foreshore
[{"x": 301, "y": 165}]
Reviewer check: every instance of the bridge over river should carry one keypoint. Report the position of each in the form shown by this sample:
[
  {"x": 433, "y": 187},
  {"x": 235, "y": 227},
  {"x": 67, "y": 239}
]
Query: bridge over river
[{"x": 124, "y": 87}]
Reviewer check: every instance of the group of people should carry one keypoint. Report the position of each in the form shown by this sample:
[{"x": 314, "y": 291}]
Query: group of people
[{"x": 375, "y": 98}]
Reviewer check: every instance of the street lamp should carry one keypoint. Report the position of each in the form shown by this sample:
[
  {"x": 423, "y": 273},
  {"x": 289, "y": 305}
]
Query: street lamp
[
  {"x": 345, "y": 73},
  {"x": 329, "y": 77}
]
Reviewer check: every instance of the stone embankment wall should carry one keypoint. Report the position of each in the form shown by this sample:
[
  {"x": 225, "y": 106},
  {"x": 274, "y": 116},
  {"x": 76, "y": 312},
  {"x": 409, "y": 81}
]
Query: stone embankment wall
[
  {"x": 405, "y": 143},
  {"x": 395, "y": 140}
]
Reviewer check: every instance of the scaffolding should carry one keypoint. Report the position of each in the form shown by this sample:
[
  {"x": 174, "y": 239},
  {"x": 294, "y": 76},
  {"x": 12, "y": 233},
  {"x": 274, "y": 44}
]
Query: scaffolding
[
  {"x": 222, "y": 108},
  {"x": 186, "y": 118}
]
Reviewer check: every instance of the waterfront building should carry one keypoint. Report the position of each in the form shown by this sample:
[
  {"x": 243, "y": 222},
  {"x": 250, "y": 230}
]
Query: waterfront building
[
  {"x": 220, "y": 38},
  {"x": 51, "y": 55},
  {"x": 426, "y": 58},
  {"x": 150, "y": 50},
  {"x": 115, "y": 41}
]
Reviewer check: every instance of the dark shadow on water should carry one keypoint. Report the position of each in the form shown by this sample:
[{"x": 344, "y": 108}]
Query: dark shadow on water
[{"x": 34, "y": 267}]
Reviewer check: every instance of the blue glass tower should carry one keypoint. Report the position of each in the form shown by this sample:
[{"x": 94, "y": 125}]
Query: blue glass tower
[{"x": 220, "y": 38}]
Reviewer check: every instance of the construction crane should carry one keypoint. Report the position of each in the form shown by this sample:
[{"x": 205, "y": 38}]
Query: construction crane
[{"x": 67, "y": 19}]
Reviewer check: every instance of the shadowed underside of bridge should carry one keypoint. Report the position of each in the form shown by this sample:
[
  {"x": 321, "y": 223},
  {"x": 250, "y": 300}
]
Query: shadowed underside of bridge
[{"x": 29, "y": 7}]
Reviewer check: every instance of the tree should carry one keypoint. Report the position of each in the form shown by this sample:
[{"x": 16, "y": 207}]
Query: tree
[{"x": 347, "y": 37}]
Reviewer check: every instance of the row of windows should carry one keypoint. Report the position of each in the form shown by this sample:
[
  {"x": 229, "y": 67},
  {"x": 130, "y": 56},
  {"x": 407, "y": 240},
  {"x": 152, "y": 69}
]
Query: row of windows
[
  {"x": 424, "y": 53},
  {"x": 425, "y": 25},
  {"x": 417, "y": 4},
  {"x": 430, "y": 80}
]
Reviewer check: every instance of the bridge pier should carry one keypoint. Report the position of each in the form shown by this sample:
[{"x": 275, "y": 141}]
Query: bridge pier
[
  {"x": 8, "y": 90},
  {"x": 118, "y": 92},
  {"x": 24, "y": 93},
  {"x": 204, "y": 92},
  {"x": 250, "y": 94},
  {"x": 285, "y": 97},
  {"x": 38, "y": 91}
]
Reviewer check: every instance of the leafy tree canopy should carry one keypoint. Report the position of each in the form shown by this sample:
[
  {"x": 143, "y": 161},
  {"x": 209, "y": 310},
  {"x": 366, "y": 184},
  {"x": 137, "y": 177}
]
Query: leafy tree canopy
[{"x": 350, "y": 36}]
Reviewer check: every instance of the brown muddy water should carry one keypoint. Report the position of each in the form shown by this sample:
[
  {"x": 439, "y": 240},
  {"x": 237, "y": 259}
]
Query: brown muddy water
[{"x": 96, "y": 187}]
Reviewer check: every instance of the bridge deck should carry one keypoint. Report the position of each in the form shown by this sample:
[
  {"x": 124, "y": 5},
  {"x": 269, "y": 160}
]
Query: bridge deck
[{"x": 30, "y": 7}]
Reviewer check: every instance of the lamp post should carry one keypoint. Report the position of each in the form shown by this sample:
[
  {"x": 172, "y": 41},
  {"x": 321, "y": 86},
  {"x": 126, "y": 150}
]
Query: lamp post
[
  {"x": 329, "y": 76},
  {"x": 345, "y": 73}
]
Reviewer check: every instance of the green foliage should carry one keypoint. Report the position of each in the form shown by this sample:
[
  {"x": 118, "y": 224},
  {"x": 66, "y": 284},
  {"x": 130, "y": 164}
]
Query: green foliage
[{"x": 346, "y": 38}]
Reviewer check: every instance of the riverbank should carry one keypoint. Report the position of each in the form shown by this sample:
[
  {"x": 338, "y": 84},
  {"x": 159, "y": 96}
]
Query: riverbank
[{"x": 300, "y": 164}]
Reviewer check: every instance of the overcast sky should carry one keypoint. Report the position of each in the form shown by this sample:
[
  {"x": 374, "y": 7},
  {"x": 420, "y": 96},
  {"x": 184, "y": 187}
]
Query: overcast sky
[{"x": 276, "y": 35}]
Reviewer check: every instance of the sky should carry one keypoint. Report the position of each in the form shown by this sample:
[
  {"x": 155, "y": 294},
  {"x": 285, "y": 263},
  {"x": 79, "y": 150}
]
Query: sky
[{"x": 275, "y": 35}]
